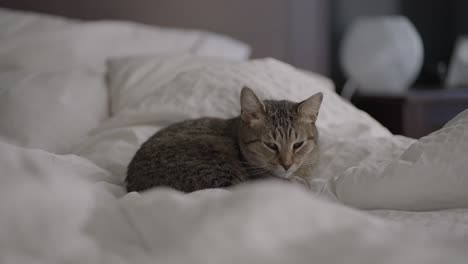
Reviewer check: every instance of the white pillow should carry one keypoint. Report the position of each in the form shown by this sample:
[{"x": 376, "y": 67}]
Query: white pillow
[
  {"x": 48, "y": 43},
  {"x": 130, "y": 79},
  {"x": 432, "y": 174},
  {"x": 50, "y": 111},
  {"x": 197, "y": 87},
  {"x": 15, "y": 22},
  {"x": 154, "y": 92}
]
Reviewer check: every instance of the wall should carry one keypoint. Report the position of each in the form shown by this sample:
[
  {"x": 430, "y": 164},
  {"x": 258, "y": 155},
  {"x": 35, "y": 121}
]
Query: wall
[{"x": 295, "y": 31}]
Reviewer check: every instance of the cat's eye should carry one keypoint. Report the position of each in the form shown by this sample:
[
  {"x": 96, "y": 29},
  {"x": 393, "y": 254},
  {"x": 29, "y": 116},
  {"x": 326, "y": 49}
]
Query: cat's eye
[
  {"x": 271, "y": 146},
  {"x": 298, "y": 144}
]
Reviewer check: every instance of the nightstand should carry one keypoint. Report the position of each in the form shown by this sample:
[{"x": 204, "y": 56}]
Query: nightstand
[{"x": 417, "y": 113}]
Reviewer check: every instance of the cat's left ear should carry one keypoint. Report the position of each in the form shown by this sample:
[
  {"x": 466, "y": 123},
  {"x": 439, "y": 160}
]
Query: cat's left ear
[
  {"x": 252, "y": 108},
  {"x": 308, "y": 109}
]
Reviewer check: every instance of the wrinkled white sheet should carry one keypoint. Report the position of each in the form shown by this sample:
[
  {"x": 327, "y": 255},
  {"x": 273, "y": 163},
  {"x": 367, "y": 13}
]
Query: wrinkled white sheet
[
  {"x": 61, "y": 209},
  {"x": 58, "y": 209}
]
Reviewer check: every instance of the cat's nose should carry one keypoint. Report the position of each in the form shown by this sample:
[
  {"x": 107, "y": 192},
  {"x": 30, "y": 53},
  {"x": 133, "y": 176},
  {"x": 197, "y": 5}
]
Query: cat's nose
[
  {"x": 286, "y": 166},
  {"x": 285, "y": 161}
]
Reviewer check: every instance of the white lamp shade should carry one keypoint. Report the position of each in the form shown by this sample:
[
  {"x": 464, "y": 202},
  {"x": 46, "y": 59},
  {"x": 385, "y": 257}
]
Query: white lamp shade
[
  {"x": 458, "y": 72},
  {"x": 382, "y": 54}
]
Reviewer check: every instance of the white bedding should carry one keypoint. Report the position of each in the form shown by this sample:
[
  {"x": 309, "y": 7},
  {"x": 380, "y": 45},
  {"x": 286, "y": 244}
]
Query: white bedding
[
  {"x": 50, "y": 43},
  {"x": 56, "y": 214},
  {"x": 411, "y": 195},
  {"x": 261, "y": 223}
]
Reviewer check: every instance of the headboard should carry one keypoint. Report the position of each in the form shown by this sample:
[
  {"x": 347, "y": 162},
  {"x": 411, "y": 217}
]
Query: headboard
[{"x": 295, "y": 31}]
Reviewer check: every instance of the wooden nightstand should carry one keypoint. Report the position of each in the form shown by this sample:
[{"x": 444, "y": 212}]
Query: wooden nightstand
[{"x": 417, "y": 113}]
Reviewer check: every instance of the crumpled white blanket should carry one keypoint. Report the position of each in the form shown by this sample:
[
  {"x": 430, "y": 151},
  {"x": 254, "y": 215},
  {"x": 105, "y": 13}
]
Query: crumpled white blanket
[
  {"x": 59, "y": 209},
  {"x": 73, "y": 209}
]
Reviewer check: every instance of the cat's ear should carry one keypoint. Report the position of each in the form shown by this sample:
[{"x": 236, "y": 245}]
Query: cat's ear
[
  {"x": 252, "y": 109},
  {"x": 308, "y": 109}
]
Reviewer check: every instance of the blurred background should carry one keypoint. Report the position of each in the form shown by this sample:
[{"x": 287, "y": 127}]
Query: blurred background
[
  {"x": 403, "y": 62},
  {"x": 431, "y": 99},
  {"x": 438, "y": 22}
]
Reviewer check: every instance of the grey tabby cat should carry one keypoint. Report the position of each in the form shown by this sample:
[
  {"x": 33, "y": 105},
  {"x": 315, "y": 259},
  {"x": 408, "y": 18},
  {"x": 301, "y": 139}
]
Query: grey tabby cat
[{"x": 269, "y": 139}]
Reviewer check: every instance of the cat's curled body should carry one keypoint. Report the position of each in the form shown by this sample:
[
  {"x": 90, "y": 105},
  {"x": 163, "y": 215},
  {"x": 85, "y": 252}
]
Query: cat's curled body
[
  {"x": 269, "y": 139},
  {"x": 189, "y": 156}
]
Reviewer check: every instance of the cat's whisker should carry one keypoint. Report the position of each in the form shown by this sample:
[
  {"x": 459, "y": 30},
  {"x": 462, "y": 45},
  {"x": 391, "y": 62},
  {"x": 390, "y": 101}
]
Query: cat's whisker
[
  {"x": 255, "y": 167},
  {"x": 248, "y": 164},
  {"x": 310, "y": 162},
  {"x": 311, "y": 159},
  {"x": 259, "y": 173},
  {"x": 256, "y": 171}
]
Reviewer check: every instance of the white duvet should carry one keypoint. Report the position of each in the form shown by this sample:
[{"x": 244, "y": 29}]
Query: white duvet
[
  {"x": 53, "y": 213},
  {"x": 73, "y": 208}
]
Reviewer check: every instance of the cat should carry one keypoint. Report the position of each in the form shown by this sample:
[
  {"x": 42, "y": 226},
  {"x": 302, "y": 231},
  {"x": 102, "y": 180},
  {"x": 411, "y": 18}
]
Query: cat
[{"x": 269, "y": 139}]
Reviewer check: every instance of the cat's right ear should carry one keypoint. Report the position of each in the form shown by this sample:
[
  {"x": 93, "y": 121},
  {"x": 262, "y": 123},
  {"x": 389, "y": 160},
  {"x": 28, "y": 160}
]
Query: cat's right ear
[
  {"x": 252, "y": 109},
  {"x": 308, "y": 109}
]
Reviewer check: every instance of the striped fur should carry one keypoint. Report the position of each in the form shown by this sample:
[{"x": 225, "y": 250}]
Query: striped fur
[{"x": 217, "y": 153}]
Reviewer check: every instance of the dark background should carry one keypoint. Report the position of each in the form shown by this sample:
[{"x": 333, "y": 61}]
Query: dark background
[
  {"x": 439, "y": 22},
  {"x": 305, "y": 33}
]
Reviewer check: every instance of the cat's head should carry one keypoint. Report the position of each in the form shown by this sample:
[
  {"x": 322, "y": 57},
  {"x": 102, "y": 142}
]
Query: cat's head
[{"x": 278, "y": 136}]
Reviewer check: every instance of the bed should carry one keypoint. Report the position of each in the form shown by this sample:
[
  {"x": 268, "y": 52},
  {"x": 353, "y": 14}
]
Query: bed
[{"x": 78, "y": 98}]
